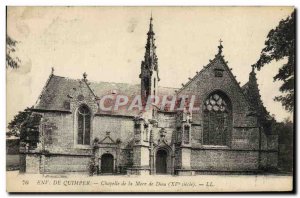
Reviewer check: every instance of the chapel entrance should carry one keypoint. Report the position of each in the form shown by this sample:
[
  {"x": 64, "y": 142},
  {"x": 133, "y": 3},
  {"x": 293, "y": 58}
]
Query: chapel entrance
[
  {"x": 161, "y": 162},
  {"x": 107, "y": 163}
]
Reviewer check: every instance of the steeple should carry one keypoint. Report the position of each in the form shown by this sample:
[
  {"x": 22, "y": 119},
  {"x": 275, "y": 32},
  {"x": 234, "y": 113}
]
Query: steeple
[
  {"x": 150, "y": 54},
  {"x": 149, "y": 67}
]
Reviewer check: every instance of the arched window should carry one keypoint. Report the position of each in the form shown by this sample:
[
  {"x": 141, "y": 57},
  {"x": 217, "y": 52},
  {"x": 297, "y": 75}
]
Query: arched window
[
  {"x": 217, "y": 119},
  {"x": 84, "y": 125},
  {"x": 146, "y": 132},
  {"x": 186, "y": 132}
]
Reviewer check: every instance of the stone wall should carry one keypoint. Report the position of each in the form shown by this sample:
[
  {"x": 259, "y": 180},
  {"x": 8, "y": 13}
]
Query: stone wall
[
  {"x": 242, "y": 153},
  {"x": 66, "y": 164},
  {"x": 119, "y": 128},
  {"x": 245, "y": 138},
  {"x": 59, "y": 133},
  {"x": 32, "y": 163},
  {"x": 224, "y": 160},
  {"x": 59, "y": 139}
]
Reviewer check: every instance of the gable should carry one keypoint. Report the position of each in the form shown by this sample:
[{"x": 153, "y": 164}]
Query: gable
[
  {"x": 216, "y": 76},
  {"x": 107, "y": 140}
]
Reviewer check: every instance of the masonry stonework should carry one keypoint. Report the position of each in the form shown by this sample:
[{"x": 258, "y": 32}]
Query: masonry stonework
[{"x": 230, "y": 131}]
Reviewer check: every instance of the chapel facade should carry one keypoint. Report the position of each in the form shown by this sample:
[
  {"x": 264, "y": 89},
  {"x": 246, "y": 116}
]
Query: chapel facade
[{"x": 231, "y": 132}]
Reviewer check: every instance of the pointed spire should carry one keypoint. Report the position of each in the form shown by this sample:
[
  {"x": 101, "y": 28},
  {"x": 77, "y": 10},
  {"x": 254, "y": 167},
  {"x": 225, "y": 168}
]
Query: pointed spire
[
  {"x": 151, "y": 25},
  {"x": 254, "y": 95},
  {"x": 150, "y": 32},
  {"x": 149, "y": 67},
  {"x": 52, "y": 70},
  {"x": 150, "y": 54}
]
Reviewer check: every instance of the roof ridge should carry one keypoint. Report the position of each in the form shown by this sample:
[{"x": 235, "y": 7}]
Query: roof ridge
[
  {"x": 124, "y": 83},
  {"x": 111, "y": 82},
  {"x": 197, "y": 74},
  {"x": 168, "y": 87},
  {"x": 67, "y": 78},
  {"x": 93, "y": 81}
]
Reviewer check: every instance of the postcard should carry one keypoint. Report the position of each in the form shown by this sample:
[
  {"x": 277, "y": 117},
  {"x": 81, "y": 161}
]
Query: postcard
[{"x": 150, "y": 99}]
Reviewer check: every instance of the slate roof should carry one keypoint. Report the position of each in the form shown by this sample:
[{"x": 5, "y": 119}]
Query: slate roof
[
  {"x": 57, "y": 89},
  {"x": 55, "y": 93}
]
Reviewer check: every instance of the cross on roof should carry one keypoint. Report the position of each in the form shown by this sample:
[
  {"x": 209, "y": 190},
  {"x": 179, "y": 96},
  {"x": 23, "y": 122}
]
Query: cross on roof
[{"x": 220, "y": 41}]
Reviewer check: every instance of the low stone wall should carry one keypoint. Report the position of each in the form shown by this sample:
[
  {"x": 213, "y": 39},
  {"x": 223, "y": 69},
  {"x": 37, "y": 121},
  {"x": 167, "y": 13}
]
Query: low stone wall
[
  {"x": 65, "y": 164},
  {"x": 32, "y": 163},
  {"x": 224, "y": 160}
]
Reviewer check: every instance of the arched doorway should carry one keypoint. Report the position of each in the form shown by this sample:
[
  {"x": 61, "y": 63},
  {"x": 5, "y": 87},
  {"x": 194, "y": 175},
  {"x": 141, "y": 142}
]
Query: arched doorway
[
  {"x": 107, "y": 163},
  {"x": 161, "y": 162}
]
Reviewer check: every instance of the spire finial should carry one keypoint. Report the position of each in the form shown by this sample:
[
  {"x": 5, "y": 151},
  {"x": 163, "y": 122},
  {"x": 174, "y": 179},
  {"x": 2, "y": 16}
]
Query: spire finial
[
  {"x": 84, "y": 76},
  {"x": 52, "y": 70},
  {"x": 151, "y": 25},
  {"x": 253, "y": 68},
  {"x": 252, "y": 73},
  {"x": 220, "y": 46}
]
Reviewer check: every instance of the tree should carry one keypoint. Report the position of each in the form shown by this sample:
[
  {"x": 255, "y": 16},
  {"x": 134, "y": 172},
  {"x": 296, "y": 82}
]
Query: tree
[
  {"x": 285, "y": 132},
  {"x": 11, "y": 61},
  {"x": 15, "y": 125},
  {"x": 281, "y": 44},
  {"x": 23, "y": 120}
]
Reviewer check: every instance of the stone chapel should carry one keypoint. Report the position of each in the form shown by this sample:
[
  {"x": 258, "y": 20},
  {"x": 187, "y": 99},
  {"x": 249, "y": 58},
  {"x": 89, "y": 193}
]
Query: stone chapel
[{"x": 230, "y": 133}]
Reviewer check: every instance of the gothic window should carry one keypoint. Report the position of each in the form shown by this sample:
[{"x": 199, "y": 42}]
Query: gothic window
[
  {"x": 146, "y": 130},
  {"x": 217, "y": 120},
  {"x": 186, "y": 134},
  {"x": 84, "y": 125}
]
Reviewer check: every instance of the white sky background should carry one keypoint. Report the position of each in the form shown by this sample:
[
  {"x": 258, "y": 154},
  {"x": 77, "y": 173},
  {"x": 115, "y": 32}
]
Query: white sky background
[{"x": 109, "y": 44}]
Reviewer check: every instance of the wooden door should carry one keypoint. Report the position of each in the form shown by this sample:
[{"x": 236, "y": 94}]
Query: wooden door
[
  {"x": 161, "y": 162},
  {"x": 107, "y": 163}
]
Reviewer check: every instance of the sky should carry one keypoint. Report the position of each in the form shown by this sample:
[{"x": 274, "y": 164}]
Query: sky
[{"x": 108, "y": 43}]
